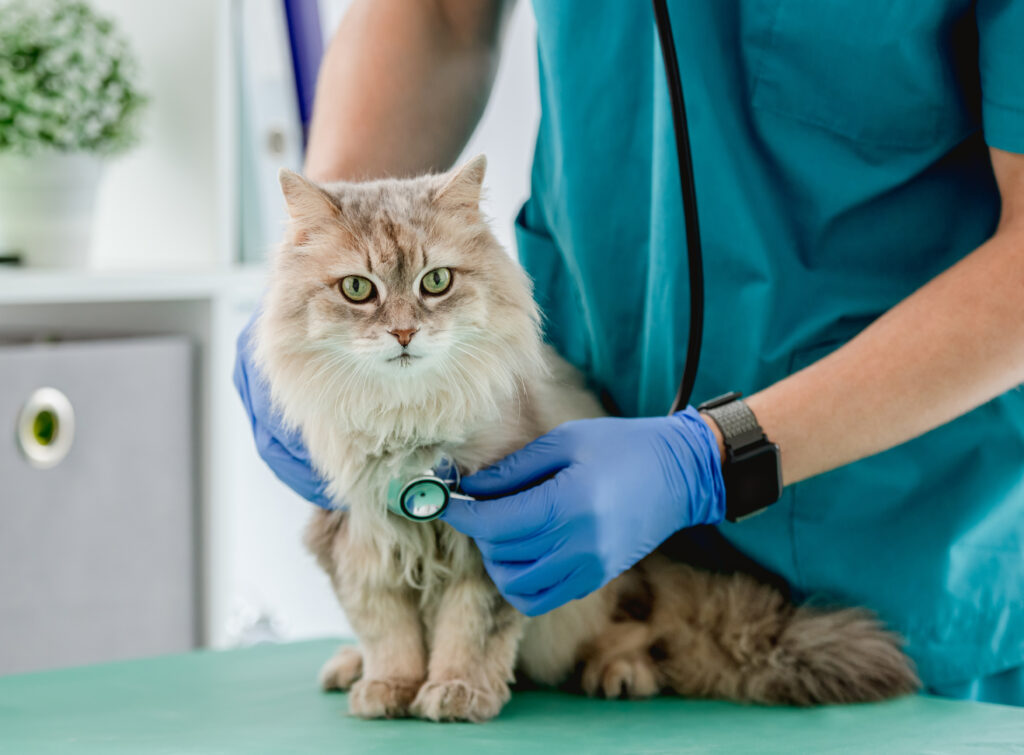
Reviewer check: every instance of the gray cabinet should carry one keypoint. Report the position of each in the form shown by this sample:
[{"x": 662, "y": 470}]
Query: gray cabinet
[{"x": 98, "y": 552}]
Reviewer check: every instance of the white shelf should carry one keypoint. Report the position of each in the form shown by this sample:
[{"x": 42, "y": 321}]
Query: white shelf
[
  {"x": 210, "y": 307},
  {"x": 20, "y": 286}
]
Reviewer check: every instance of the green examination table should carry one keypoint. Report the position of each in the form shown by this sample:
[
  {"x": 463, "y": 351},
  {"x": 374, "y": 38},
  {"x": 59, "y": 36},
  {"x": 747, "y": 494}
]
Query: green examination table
[{"x": 265, "y": 700}]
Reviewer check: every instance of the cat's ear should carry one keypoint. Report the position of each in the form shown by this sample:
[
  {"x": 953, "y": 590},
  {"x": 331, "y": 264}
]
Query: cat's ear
[
  {"x": 463, "y": 186},
  {"x": 307, "y": 203}
]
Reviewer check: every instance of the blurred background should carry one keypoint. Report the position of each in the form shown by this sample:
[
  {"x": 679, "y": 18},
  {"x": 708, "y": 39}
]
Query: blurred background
[{"x": 139, "y": 147}]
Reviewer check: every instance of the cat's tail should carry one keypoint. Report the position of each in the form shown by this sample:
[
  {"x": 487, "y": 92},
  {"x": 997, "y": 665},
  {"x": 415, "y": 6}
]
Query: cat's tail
[
  {"x": 841, "y": 656},
  {"x": 731, "y": 637},
  {"x": 706, "y": 635}
]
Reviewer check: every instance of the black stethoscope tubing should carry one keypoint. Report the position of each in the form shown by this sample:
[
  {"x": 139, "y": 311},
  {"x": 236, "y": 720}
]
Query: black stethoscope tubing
[
  {"x": 695, "y": 261},
  {"x": 695, "y": 258}
]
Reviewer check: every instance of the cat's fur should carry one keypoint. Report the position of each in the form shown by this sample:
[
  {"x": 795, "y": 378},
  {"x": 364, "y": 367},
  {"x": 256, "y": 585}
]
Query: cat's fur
[{"x": 436, "y": 638}]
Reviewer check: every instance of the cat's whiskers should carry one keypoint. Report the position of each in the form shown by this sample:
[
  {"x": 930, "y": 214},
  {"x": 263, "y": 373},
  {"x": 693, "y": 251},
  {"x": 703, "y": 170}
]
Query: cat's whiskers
[
  {"x": 328, "y": 389},
  {"x": 506, "y": 355},
  {"x": 328, "y": 361}
]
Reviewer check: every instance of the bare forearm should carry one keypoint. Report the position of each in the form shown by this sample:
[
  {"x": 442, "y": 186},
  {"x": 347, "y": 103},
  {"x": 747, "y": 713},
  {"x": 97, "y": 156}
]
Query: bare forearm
[
  {"x": 951, "y": 346},
  {"x": 402, "y": 86}
]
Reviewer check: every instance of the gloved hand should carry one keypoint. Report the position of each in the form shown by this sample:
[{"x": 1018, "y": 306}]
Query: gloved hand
[
  {"x": 619, "y": 488},
  {"x": 282, "y": 449}
]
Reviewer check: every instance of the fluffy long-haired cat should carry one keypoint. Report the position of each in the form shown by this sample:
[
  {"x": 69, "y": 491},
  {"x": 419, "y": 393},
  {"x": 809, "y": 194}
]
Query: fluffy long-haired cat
[{"x": 397, "y": 331}]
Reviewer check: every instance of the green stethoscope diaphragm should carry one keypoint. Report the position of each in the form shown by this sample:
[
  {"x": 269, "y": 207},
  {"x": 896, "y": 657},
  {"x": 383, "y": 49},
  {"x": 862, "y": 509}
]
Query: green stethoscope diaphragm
[{"x": 424, "y": 497}]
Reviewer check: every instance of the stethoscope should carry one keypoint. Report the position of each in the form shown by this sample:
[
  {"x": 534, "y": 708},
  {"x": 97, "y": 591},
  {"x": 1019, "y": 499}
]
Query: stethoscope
[{"x": 425, "y": 497}]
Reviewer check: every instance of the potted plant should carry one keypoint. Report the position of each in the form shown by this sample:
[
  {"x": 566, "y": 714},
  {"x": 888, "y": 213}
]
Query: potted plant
[{"x": 68, "y": 99}]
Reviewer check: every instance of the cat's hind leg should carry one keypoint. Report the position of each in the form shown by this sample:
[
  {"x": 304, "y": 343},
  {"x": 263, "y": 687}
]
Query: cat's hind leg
[
  {"x": 629, "y": 675},
  {"x": 729, "y": 637},
  {"x": 342, "y": 670},
  {"x": 618, "y": 662}
]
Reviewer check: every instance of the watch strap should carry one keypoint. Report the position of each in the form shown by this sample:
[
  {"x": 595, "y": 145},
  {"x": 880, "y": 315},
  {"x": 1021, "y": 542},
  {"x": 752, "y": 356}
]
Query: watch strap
[
  {"x": 737, "y": 422},
  {"x": 751, "y": 467}
]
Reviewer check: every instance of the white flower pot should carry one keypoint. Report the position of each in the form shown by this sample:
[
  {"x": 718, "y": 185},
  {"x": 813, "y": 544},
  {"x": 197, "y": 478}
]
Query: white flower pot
[{"x": 47, "y": 205}]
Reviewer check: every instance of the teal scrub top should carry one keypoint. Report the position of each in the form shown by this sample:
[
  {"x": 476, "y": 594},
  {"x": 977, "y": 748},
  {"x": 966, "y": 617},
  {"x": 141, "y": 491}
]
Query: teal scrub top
[{"x": 841, "y": 161}]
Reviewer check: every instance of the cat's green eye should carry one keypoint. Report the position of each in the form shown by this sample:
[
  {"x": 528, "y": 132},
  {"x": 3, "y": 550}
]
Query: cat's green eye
[
  {"x": 356, "y": 288},
  {"x": 437, "y": 281}
]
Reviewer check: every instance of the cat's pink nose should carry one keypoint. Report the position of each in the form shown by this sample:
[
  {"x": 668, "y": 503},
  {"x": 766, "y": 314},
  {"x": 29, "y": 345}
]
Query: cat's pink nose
[{"x": 404, "y": 335}]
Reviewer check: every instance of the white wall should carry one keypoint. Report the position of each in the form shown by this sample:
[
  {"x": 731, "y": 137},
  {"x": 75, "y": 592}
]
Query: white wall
[{"x": 158, "y": 203}]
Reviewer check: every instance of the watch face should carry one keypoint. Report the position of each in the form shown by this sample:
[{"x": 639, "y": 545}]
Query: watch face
[{"x": 753, "y": 480}]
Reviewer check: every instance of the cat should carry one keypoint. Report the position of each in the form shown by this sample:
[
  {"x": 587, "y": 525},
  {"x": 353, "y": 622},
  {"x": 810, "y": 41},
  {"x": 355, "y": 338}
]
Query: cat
[{"x": 396, "y": 331}]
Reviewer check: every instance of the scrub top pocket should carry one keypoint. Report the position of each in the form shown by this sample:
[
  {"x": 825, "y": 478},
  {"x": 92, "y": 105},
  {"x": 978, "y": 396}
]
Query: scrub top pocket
[{"x": 871, "y": 71}]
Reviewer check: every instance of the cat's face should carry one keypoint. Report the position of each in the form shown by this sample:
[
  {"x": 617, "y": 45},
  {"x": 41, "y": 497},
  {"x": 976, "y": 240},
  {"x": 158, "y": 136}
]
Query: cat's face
[{"x": 400, "y": 283}]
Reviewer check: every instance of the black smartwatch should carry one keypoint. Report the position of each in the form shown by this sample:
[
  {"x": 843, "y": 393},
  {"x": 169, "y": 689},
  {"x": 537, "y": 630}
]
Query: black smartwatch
[{"x": 751, "y": 468}]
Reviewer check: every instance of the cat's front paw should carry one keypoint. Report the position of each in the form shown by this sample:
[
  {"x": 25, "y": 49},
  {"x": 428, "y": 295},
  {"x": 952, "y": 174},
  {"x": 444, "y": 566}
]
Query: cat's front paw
[
  {"x": 625, "y": 676},
  {"x": 342, "y": 670},
  {"x": 382, "y": 698},
  {"x": 458, "y": 700}
]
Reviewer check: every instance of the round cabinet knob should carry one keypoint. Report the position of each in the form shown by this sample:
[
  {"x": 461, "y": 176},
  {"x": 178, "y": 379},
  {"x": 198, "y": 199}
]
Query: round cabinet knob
[{"x": 46, "y": 428}]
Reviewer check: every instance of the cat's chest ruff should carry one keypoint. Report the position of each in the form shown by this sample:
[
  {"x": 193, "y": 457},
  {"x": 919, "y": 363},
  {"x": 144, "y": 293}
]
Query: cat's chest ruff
[
  {"x": 403, "y": 439},
  {"x": 369, "y": 447},
  {"x": 398, "y": 453},
  {"x": 391, "y": 431}
]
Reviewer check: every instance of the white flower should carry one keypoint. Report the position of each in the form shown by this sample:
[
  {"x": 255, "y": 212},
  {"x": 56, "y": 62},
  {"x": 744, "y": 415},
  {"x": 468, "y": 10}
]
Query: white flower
[
  {"x": 92, "y": 128},
  {"x": 35, "y": 101}
]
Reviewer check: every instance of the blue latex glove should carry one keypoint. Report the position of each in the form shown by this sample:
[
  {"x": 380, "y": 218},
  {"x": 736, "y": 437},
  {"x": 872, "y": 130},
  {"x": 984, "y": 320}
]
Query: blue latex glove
[
  {"x": 615, "y": 489},
  {"x": 282, "y": 449}
]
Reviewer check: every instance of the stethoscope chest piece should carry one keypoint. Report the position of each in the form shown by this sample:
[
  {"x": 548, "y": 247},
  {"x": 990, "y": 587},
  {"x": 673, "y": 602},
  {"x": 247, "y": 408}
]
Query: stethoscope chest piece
[{"x": 425, "y": 496}]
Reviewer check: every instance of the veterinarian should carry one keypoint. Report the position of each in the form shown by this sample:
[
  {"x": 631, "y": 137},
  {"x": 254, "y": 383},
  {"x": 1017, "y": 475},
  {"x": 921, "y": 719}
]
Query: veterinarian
[{"x": 861, "y": 200}]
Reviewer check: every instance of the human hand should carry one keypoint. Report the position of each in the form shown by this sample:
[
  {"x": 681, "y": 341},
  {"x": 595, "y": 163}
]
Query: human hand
[
  {"x": 605, "y": 493},
  {"x": 280, "y": 447}
]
